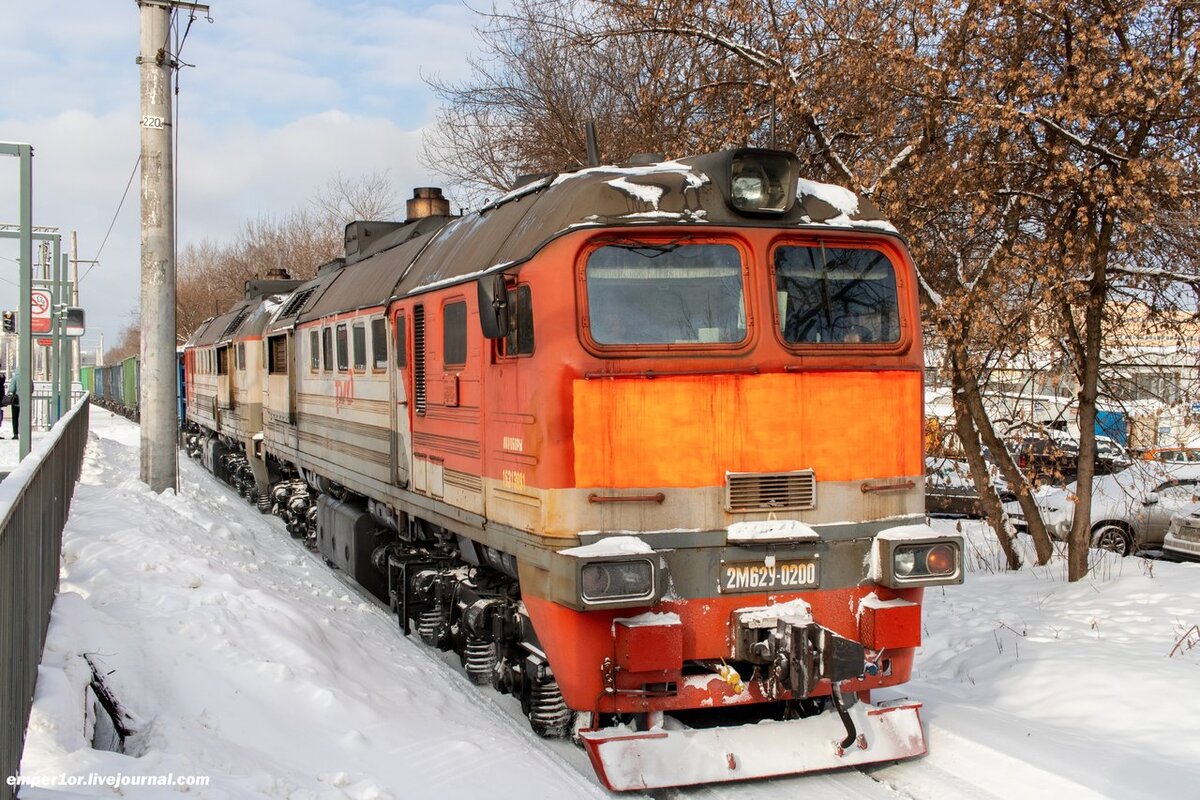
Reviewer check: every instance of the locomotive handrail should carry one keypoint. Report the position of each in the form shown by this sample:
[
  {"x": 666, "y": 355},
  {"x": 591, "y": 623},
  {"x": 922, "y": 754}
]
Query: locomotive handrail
[
  {"x": 34, "y": 500},
  {"x": 651, "y": 373}
]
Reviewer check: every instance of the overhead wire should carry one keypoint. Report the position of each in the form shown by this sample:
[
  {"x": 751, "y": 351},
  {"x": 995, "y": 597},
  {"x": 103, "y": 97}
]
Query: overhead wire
[
  {"x": 96, "y": 259},
  {"x": 177, "y": 68}
]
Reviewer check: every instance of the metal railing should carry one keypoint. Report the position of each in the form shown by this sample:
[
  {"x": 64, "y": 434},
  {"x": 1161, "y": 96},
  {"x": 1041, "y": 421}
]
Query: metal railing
[{"x": 34, "y": 501}]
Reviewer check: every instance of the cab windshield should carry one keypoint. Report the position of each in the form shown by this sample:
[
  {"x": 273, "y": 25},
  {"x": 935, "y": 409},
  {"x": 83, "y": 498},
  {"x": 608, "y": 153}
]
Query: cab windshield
[
  {"x": 662, "y": 294},
  {"x": 836, "y": 295}
]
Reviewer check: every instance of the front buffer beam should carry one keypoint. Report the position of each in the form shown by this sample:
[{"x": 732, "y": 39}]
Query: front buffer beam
[{"x": 660, "y": 758}]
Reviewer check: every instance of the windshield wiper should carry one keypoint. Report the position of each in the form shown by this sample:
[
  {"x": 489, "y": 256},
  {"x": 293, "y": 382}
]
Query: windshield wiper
[{"x": 648, "y": 249}]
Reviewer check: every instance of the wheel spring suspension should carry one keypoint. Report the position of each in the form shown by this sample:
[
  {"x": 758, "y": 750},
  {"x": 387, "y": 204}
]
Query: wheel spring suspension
[
  {"x": 430, "y": 624},
  {"x": 479, "y": 660},
  {"x": 548, "y": 713}
]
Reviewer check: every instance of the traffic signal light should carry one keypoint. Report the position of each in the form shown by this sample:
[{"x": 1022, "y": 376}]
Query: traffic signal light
[{"x": 10, "y": 322}]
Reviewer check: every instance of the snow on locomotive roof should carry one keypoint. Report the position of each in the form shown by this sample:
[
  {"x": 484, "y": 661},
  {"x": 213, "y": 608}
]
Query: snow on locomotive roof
[
  {"x": 247, "y": 317},
  {"x": 430, "y": 253}
]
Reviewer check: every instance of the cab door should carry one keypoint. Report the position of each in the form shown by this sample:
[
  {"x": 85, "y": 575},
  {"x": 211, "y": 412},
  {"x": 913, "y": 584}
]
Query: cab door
[
  {"x": 401, "y": 420},
  {"x": 224, "y": 380}
]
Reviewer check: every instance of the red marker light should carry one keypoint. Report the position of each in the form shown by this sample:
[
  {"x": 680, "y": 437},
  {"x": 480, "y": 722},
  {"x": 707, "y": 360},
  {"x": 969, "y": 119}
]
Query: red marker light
[{"x": 939, "y": 560}]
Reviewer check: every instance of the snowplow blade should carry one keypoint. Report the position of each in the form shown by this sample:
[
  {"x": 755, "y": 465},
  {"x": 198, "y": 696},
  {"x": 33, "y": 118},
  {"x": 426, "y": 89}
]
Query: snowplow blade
[{"x": 662, "y": 758}]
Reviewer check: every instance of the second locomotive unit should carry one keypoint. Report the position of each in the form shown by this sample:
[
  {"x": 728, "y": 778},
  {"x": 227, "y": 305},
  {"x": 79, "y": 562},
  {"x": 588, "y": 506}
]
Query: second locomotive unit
[{"x": 641, "y": 443}]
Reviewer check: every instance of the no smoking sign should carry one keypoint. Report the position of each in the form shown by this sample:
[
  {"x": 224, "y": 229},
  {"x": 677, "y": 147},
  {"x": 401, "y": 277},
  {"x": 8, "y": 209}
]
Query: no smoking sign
[{"x": 39, "y": 320}]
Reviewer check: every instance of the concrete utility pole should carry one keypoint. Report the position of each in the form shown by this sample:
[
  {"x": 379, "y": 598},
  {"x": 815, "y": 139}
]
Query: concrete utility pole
[{"x": 158, "y": 399}]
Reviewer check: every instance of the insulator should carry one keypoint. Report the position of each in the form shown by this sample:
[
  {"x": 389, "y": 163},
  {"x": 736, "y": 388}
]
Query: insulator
[
  {"x": 548, "y": 713},
  {"x": 479, "y": 660},
  {"x": 430, "y": 624}
]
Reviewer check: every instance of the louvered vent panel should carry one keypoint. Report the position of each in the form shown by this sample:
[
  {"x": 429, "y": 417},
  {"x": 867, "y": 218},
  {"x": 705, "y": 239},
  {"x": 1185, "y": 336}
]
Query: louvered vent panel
[
  {"x": 770, "y": 491},
  {"x": 236, "y": 322},
  {"x": 419, "y": 358},
  {"x": 296, "y": 302}
]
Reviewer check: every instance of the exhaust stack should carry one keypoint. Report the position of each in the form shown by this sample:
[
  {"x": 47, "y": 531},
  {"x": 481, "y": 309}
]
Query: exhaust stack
[{"x": 427, "y": 201}]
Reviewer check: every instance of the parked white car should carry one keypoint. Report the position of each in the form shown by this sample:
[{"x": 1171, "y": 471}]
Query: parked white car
[
  {"x": 1131, "y": 509},
  {"x": 1183, "y": 535}
]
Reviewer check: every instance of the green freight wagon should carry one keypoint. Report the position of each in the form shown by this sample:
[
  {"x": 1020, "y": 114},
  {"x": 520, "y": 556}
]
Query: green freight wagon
[{"x": 131, "y": 372}]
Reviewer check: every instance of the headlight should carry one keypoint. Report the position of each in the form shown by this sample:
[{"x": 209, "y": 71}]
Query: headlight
[
  {"x": 762, "y": 181},
  {"x": 902, "y": 558},
  {"x": 750, "y": 187},
  {"x": 606, "y": 581},
  {"x": 924, "y": 561}
]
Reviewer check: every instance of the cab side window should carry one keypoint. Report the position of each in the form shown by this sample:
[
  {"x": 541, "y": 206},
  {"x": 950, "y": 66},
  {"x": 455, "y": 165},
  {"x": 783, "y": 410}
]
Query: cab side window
[
  {"x": 343, "y": 348},
  {"x": 454, "y": 334},
  {"x": 379, "y": 343},
  {"x": 360, "y": 347},
  {"x": 519, "y": 341}
]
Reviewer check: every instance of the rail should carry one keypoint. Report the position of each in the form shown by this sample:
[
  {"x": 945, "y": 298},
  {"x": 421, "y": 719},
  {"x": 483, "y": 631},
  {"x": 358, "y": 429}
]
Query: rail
[{"x": 34, "y": 501}]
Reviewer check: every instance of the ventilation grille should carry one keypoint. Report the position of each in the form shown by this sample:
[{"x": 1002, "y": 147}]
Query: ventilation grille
[
  {"x": 770, "y": 491},
  {"x": 236, "y": 322},
  {"x": 296, "y": 303},
  {"x": 419, "y": 358}
]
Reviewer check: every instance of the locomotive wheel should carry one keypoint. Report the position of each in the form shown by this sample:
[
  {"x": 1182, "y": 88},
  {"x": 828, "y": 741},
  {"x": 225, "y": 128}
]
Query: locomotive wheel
[{"x": 1113, "y": 538}]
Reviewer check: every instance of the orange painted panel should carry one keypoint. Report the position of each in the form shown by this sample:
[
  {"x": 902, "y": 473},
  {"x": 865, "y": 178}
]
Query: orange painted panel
[{"x": 688, "y": 431}]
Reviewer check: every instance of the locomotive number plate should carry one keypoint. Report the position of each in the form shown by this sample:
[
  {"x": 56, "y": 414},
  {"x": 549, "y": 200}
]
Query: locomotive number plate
[{"x": 758, "y": 577}]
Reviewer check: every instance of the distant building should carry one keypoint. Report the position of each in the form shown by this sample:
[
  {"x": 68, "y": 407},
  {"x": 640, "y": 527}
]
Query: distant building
[{"x": 1149, "y": 381}]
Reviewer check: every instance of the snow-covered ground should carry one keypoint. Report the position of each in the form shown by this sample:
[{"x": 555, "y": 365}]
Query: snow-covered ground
[{"x": 241, "y": 657}]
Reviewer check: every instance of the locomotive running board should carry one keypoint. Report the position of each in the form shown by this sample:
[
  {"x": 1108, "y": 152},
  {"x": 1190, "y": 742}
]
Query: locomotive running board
[{"x": 660, "y": 758}]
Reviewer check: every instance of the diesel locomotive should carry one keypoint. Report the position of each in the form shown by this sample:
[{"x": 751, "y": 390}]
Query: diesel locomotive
[{"x": 642, "y": 443}]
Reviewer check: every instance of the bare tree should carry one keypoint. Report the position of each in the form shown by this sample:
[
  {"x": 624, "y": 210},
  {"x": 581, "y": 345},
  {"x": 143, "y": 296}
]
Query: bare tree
[
  {"x": 128, "y": 344},
  {"x": 213, "y": 275},
  {"x": 1106, "y": 95},
  {"x": 544, "y": 75}
]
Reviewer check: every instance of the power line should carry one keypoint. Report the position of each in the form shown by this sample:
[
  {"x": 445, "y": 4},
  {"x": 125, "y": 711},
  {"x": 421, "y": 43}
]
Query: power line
[{"x": 115, "y": 215}]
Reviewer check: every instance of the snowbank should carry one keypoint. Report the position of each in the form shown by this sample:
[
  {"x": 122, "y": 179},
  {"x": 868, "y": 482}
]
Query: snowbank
[{"x": 241, "y": 657}]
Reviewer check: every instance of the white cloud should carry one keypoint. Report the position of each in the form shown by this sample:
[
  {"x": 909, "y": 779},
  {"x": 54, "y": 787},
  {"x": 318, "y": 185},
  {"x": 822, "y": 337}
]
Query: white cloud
[
  {"x": 229, "y": 176},
  {"x": 285, "y": 94}
]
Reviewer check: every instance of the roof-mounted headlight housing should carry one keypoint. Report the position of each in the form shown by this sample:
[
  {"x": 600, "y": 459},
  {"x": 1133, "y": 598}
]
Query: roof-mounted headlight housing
[{"x": 762, "y": 181}]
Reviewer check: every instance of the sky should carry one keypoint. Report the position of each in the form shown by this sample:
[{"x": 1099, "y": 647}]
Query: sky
[
  {"x": 239, "y": 656},
  {"x": 283, "y": 96}
]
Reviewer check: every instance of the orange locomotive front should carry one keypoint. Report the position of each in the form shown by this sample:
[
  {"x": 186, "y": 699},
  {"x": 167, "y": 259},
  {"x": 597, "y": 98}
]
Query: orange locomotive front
[{"x": 654, "y": 463}]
